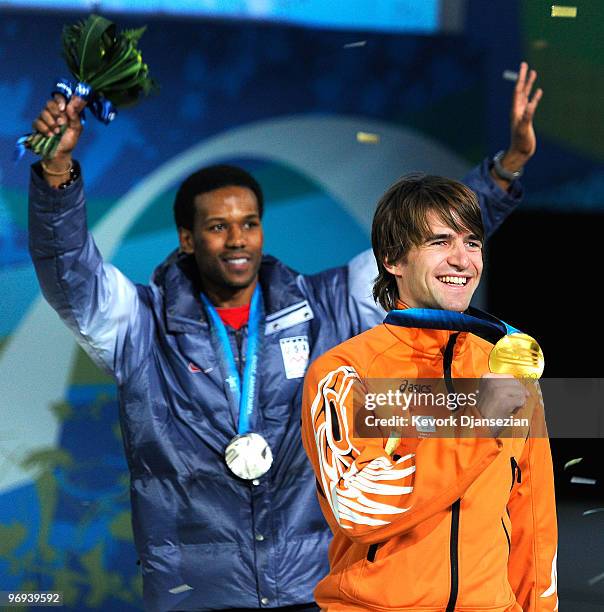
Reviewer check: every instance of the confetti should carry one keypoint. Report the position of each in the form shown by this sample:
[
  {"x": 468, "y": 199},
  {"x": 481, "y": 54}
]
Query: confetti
[
  {"x": 595, "y": 579},
  {"x": 579, "y": 480},
  {"x": 593, "y": 511},
  {"x": 354, "y": 45},
  {"x": 510, "y": 75},
  {"x": 573, "y": 462},
  {"x": 391, "y": 445},
  {"x": 564, "y": 11},
  {"x": 368, "y": 137},
  {"x": 183, "y": 588}
]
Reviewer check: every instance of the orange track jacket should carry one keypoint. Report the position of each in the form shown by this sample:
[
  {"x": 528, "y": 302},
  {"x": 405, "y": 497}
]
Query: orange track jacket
[{"x": 444, "y": 524}]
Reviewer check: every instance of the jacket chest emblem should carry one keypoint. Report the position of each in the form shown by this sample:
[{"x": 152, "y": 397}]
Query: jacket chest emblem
[{"x": 295, "y": 352}]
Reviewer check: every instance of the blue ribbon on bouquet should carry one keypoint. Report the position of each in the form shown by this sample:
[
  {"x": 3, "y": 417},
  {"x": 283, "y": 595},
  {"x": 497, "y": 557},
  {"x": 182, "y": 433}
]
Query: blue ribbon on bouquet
[{"x": 101, "y": 108}]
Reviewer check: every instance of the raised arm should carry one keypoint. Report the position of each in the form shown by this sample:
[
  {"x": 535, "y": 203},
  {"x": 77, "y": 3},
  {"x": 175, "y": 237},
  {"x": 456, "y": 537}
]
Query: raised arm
[
  {"x": 499, "y": 195},
  {"x": 55, "y": 116},
  {"x": 96, "y": 301}
]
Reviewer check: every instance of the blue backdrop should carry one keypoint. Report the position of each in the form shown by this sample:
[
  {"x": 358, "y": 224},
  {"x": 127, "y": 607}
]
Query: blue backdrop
[{"x": 286, "y": 102}]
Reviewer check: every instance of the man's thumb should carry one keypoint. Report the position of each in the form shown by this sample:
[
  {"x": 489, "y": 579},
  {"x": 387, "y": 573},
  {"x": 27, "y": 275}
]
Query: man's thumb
[{"x": 75, "y": 107}]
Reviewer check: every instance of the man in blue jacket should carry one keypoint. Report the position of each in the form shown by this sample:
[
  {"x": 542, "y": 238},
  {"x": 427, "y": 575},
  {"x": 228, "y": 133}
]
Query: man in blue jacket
[{"x": 209, "y": 361}]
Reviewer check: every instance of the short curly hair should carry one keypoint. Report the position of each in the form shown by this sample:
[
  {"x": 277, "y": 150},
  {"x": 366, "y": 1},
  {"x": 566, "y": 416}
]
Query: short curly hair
[{"x": 210, "y": 179}]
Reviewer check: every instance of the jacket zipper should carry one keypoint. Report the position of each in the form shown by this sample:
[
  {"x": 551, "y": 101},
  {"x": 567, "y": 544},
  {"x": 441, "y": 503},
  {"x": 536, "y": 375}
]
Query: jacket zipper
[
  {"x": 448, "y": 361},
  {"x": 454, "y": 553},
  {"x": 507, "y": 535},
  {"x": 456, "y": 507},
  {"x": 516, "y": 472},
  {"x": 371, "y": 552},
  {"x": 516, "y": 478}
]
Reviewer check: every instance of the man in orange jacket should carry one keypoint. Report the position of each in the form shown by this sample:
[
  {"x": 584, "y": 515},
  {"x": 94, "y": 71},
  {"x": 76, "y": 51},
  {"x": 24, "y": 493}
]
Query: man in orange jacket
[{"x": 431, "y": 523}]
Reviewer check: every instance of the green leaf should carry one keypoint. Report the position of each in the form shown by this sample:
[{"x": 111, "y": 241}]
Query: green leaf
[
  {"x": 70, "y": 44},
  {"x": 124, "y": 66},
  {"x": 48, "y": 145},
  {"x": 90, "y": 47},
  {"x": 118, "y": 48},
  {"x": 108, "y": 60},
  {"x": 134, "y": 35},
  {"x": 113, "y": 56}
]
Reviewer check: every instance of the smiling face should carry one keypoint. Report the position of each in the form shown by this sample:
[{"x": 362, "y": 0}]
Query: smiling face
[
  {"x": 226, "y": 241},
  {"x": 443, "y": 272}
]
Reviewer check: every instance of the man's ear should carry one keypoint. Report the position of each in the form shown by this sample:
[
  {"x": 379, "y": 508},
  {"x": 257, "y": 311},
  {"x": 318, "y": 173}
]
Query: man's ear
[
  {"x": 394, "y": 269},
  {"x": 185, "y": 238}
]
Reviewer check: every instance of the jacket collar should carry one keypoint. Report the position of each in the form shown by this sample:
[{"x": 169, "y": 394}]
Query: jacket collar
[{"x": 178, "y": 279}]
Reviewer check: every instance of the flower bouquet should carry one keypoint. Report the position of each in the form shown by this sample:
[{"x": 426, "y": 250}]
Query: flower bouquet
[{"x": 108, "y": 71}]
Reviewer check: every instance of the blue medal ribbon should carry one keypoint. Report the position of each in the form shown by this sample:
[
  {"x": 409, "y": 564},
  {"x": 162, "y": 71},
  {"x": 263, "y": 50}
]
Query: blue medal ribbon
[
  {"x": 243, "y": 395},
  {"x": 475, "y": 321},
  {"x": 100, "y": 107}
]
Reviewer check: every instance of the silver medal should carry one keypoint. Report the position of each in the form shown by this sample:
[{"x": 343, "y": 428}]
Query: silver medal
[{"x": 248, "y": 456}]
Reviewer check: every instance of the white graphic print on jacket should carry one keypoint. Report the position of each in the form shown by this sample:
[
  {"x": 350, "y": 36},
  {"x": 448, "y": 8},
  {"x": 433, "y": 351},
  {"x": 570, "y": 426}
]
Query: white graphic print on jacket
[{"x": 367, "y": 496}]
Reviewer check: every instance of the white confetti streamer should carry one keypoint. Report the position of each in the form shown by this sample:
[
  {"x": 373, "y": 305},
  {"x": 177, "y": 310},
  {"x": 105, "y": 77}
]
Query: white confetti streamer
[
  {"x": 354, "y": 45},
  {"x": 579, "y": 480},
  {"x": 593, "y": 511},
  {"x": 510, "y": 75}
]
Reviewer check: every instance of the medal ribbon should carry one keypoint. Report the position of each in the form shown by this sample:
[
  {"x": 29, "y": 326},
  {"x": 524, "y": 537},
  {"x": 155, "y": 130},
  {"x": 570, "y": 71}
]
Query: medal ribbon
[
  {"x": 475, "y": 321},
  {"x": 243, "y": 394}
]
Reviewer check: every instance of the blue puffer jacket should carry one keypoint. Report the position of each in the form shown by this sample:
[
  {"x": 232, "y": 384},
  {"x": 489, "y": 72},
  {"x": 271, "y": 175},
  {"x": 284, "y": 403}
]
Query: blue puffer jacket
[{"x": 206, "y": 540}]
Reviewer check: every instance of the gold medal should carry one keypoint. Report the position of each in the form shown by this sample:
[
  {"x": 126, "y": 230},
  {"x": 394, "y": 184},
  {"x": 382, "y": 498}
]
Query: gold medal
[{"x": 519, "y": 355}]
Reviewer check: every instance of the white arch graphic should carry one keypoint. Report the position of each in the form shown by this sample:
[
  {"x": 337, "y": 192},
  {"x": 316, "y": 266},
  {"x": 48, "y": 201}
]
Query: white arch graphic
[{"x": 36, "y": 363}]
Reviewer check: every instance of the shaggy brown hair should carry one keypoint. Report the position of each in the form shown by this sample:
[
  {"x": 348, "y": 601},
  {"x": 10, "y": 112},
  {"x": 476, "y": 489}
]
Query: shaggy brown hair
[{"x": 400, "y": 222}]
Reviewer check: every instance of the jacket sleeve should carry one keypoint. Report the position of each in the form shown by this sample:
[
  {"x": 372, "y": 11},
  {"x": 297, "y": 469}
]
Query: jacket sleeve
[
  {"x": 366, "y": 492},
  {"x": 94, "y": 299},
  {"x": 495, "y": 203},
  {"x": 362, "y": 271},
  {"x": 533, "y": 554}
]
